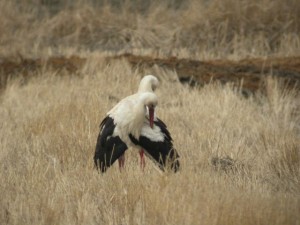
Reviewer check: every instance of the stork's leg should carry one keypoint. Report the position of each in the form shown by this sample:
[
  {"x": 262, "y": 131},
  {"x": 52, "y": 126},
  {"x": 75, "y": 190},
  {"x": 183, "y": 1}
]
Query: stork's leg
[
  {"x": 121, "y": 161},
  {"x": 143, "y": 163}
]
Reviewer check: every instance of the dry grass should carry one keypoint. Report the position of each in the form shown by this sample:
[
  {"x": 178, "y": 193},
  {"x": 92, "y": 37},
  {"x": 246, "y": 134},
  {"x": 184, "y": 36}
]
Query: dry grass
[
  {"x": 48, "y": 134},
  {"x": 190, "y": 29},
  {"x": 240, "y": 157}
]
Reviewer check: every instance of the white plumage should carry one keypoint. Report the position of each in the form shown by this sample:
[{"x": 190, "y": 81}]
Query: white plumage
[
  {"x": 129, "y": 115},
  {"x": 131, "y": 123}
]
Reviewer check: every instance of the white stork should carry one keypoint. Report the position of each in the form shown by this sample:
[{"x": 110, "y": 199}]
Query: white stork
[
  {"x": 149, "y": 83},
  {"x": 129, "y": 124}
]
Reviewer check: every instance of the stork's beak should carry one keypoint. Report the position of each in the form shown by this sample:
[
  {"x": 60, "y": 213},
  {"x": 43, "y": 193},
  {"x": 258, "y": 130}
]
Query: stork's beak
[{"x": 151, "y": 116}]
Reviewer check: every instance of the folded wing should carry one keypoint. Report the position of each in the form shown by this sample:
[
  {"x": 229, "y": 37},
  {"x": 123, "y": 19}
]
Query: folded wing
[
  {"x": 158, "y": 145},
  {"x": 109, "y": 147}
]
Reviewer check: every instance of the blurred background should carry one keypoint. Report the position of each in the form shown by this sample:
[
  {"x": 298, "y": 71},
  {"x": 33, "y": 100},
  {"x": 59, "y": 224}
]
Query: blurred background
[{"x": 191, "y": 28}]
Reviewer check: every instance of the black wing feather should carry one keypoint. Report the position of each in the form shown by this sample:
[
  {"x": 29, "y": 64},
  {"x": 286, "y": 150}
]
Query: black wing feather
[
  {"x": 161, "y": 152},
  {"x": 108, "y": 148},
  {"x": 163, "y": 128}
]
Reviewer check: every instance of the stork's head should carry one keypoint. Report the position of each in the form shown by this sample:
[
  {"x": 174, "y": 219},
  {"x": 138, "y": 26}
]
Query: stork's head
[
  {"x": 149, "y": 83},
  {"x": 150, "y": 101}
]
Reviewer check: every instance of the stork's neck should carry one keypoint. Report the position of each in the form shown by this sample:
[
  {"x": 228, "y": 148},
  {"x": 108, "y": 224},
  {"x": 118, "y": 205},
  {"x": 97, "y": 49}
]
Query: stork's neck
[
  {"x": 137, "y": 124},
  {"x": 145, "y": 86}
]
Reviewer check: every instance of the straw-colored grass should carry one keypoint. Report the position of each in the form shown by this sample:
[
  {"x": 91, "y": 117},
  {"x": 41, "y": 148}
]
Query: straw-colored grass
[
  {"x": 240, "y": 158},
  {"x": 190, "y": 29},
  {"x": 48, "y": 134}
]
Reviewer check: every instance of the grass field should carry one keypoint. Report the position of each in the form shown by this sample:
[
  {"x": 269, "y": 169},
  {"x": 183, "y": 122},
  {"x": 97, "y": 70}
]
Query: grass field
[
  {"x": 240, "y": 157},
  {"x": 192, "y": 28}
]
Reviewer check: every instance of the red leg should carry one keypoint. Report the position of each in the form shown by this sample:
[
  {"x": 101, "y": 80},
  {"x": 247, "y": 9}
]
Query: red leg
[
  {"x": 121, "y": 161},
  {"x": 143, "y": 163}
]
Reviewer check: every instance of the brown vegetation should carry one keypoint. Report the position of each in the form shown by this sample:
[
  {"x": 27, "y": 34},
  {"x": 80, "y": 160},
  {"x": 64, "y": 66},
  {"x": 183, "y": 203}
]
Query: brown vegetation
[
  {"x": 240, "y": 156},
  {"x": 248, "y": 74},
  {"x": 192, "y": 28}
]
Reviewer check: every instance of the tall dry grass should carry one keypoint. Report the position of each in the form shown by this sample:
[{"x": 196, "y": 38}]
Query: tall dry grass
[
  {"x": 48, "y": 133},
  {"x": 190, "y": 29},
  {"x": 240, "y": 157}
]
